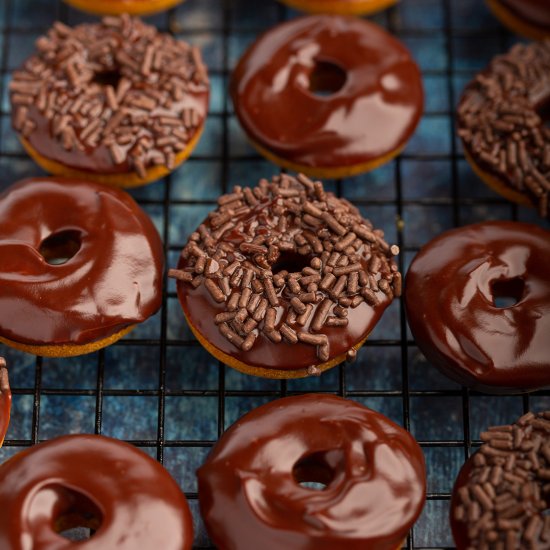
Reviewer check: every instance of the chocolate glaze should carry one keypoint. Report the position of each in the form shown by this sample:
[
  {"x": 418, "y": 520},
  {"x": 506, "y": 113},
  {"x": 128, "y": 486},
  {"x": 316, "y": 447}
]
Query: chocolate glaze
[
  {"x": 139, "y": 504},
  {"x": 5, "y": 400},
  {"x": 450, "y": 289},
  {"x": 372, "y": 115},
  {"x": 532, "y": 12},
  {"x": 113, "y": 281},
  {"x": 374, "y": 472}
]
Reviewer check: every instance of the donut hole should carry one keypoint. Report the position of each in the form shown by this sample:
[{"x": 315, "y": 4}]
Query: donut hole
[
  {"x": 327, "y": 78},
  {"x": 59, "y": 248},
  {"x": 107, "y": 78},
  {"x": 291, "y": 262},
  {"x": 317, "y": 471},
  {"x": 74, "y": 516},
  {"x": 507, "y": 292}
]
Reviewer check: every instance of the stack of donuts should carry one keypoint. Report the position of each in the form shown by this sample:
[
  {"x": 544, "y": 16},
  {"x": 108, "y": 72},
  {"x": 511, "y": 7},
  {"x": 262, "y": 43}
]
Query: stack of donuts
[{"x": 282, "y": 279}]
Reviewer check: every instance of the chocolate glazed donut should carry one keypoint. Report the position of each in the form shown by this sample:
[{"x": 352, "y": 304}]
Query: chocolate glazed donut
[
  {"x": 374, "y": 103},
  {"x": 109, "y": 486},
  {"x": 5, "y": 400},
  {"x": 110, "y": 276},
  {"x": 250, "y": 493},
  {"x": 452, "y": 290}
]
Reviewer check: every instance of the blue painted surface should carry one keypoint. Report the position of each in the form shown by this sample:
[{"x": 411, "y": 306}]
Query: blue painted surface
[{"x": 422, "y": 177}]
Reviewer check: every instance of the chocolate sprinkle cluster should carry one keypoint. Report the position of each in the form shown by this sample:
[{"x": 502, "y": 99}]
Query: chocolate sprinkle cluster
[
  {"x": 500, "y": 125},
  {"x": 508, "y": 489},
  {"x": 236, "y": 252},
  {"x": 145, "y": 116}
]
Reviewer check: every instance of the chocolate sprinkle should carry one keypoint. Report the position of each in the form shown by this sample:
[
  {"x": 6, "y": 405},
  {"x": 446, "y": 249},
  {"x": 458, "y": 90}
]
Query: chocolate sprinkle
[
  {"x": 4, "y": 383},
  {"x": 146, "y": 120},
  {"x": 507, "y": 492},
  {"x": 500, "y": 126},
  {"x": 253, "y": 229}
]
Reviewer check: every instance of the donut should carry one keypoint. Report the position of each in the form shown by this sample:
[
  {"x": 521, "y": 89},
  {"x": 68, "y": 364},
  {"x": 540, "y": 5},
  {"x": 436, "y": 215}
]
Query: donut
[
  {"x": 80, "y": 265},
  {"x": 285, "y": 280},
  {"x": 250, "y": 487},
  {"x": 502, "y": 119},
  {"x": 530, "y": 18},
  {"x": 501, "y": 494},
  {"x": 478, "y": 304},
  {"x": 330, "y": 96},
  {"x": 118, "y": 7},
  {"x": 128, "y": 499},
  {"x": 115, "y": 102},
  {"x": 5, "y": 400},
  {"x": 342, "y": 7}
]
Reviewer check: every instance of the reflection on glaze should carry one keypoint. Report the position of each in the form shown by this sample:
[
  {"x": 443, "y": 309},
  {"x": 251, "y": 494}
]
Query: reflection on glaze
[
  {"x": 374, "y": 471},
  {"x": 112, "y": 281},
  {"x": 450, "y": 292},
  {"x": 533, "y": 12},
  {"x": 373, "y": 114},
  {"x": 139, "y": 505}
]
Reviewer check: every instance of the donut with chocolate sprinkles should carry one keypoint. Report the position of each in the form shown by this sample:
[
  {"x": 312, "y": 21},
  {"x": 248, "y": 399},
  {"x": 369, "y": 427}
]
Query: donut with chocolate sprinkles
[
  {"x": 284, "y": 280},
  {"x": 5, "y": 400},
  {"x": 502, "y": 121},
  {"x": 115, "y": 102},
  {"x": 502, "y": 493}
]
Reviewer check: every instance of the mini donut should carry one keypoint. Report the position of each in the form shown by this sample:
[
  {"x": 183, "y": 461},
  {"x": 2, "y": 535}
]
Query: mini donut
[
  {"x": 250, "y": 490},
  {"x": 530, "y": 18},
  {"x": 501, "y": 121},
  {"x": 119, "y": 7},
  {"x": 80, "y": 265},
  {"x": 501, "y": 494},
  {"x": 452, "y": 297},
  {"x": 285, "y": 280},
  {"x": 329, "y": 96},
  {"x": 5, "y": 400},
  {"x": 115, "y": 102},
  {"x": 126, "y": 497},
  {"x": 341, "y": 7}
]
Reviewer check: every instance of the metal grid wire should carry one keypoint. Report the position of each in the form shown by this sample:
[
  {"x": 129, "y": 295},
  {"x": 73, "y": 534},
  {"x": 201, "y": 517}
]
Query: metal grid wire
[{"x": 157, "y": 388}]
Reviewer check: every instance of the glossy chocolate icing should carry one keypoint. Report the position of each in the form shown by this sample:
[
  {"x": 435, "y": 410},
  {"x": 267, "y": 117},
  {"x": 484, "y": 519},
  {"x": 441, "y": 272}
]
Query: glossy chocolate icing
[
  {"x": 139, "y": 504},
  {"x": 372, "y": 115},
  {"x": 450, "y": 290},
  {"x": 5, "y": 400},
  {"x": 532, "y": 12},
  {"x": 374, "y": 471},
  {"x": 113, "y": 281}
]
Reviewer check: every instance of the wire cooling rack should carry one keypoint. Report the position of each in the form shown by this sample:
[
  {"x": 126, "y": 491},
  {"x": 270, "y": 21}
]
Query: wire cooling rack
[{"x": 158, "y": 388}]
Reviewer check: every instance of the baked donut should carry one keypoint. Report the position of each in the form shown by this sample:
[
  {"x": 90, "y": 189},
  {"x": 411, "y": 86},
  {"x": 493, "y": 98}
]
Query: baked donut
[
  {"x": 115, "y": 102},
  {"x": 501, "y": 494},
  {"x": 118, "y": 7},
  {"x": 502, "y": 122},
  {"x": 5, "y": 400},
  {"x": 285, "y": 280},
  {"x": 329, "y": 96},
  {"x": 453, "y": 296},
  {"x": 80, "y": 265},
  {"x": 250, "y": 490},
  {"x": 341, "y": 7},
  {"x": 530, "y": 18},
  {"x": 126, "y": 497}
]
